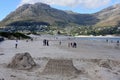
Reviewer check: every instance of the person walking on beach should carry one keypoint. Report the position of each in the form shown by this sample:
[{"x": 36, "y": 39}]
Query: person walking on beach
[
  {"x": 47, "y": 42},
  {"x": 74, "y": 45},
  {"x": 59, "y": 42},
  {"x": 16, "y": 44},
  {"x": 118, "y": 43},
  {"x": 106, "y": 40},
  {"x": 71, "y": 44},
  {"x": 44, "y": 42},
  {"x": 31, "y": 39}
]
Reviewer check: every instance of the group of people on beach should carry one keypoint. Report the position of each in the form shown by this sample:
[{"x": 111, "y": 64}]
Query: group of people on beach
[
  {"x": 72, "y": 44},
  {"x": 117, "y": 42},
  {"x": 45, "y": 42}
]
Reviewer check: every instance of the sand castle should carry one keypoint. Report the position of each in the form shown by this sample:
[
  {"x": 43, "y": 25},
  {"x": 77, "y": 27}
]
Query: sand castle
[
  {"x": 61, "y": 67},
  {"x": 22, "y": 61}
]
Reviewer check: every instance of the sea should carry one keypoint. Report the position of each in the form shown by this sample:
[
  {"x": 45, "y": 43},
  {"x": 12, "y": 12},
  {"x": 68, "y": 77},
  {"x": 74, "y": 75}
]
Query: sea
[{"x": 107, "y": 39}]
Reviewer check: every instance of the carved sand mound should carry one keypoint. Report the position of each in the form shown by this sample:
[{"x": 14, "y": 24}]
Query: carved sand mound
[
  {"x": 62, "y": 67},
  {"x": 22, "y": 61}
]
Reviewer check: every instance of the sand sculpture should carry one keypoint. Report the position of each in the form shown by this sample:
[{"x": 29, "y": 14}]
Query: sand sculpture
[
  {"x": 60, "y": 66},
  {"x": 22, "y": 61}
]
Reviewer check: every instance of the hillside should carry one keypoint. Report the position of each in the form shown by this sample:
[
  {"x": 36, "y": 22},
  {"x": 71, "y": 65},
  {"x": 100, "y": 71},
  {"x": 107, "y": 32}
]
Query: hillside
[
  {"x": 109, "y": 16},
  {"x": 42, "y": 13}
]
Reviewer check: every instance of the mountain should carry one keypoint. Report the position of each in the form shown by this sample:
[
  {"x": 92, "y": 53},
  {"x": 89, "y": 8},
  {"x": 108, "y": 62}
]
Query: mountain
[
  {"x": 109, "y": 16},
  {"x": 39, "y": 13},
  {"x": 43, "y": 14}
]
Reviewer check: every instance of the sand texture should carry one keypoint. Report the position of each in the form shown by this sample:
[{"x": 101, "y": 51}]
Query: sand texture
[{"x": 90, "y": 60}]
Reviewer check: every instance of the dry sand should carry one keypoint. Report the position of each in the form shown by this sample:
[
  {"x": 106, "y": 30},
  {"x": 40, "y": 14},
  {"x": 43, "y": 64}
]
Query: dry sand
[{"x": 93, "y": 60}]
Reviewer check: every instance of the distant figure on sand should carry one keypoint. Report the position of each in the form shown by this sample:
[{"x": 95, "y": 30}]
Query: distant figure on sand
[
  {"x": 71, "y": 44},
  {"x": 59, "y": 42},
  {"x": 26, "y": 40},
  {"x": 45, "y": 42},
  {"x": 118, "y": 43},
  {"x": 106, "y": 40},
  {"x": 74, "y": 45},
  {"x": 16, "y": 44},
  {"x": 31, "y": 39}
]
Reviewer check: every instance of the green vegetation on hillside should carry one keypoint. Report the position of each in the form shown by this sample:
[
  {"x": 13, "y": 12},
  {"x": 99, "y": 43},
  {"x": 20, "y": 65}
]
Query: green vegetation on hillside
[
  {"x": 68, "y": 30},
  {"x": 84, "y": 30},
  {"x": 95, "y": 31},
  {"x": 16, "y": 35}
]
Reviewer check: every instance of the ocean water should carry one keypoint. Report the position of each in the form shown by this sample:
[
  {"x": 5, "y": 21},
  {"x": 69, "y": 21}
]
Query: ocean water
[{"x": 109, "y": 39}]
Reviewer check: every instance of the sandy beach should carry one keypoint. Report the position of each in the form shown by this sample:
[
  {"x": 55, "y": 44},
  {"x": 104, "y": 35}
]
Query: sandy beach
[{"x": 95, "y": 60}]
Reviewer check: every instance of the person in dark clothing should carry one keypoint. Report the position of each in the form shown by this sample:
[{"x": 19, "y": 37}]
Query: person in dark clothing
[
  {"x": 71, "y": 44},
  {"x": 59, "y": 42},
  {"x": 74, "y": 45},
  {"x": 47, "y": 42},
  {"x": 106, "y": 40},
  {"x": 44, "y": 42},
  {"x": 117, "y": 43},
  {"x": 31, "y": 39}
]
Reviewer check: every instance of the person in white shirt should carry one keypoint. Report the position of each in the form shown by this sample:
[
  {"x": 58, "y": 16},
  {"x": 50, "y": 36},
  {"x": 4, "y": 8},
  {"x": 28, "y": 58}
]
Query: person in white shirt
[{"x": 16, "y": 44}]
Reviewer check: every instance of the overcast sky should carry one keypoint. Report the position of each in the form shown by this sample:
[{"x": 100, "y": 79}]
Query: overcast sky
[{"x": 80, "y": 6}]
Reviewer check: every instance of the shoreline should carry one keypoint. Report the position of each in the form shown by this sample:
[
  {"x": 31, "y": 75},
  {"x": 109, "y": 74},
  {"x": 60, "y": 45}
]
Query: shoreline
[{"x": 107, "y": 36}]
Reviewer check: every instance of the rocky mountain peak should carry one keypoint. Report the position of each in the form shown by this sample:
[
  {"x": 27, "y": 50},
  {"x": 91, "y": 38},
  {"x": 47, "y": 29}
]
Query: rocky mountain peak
[{"x": 43, "y": 13}]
